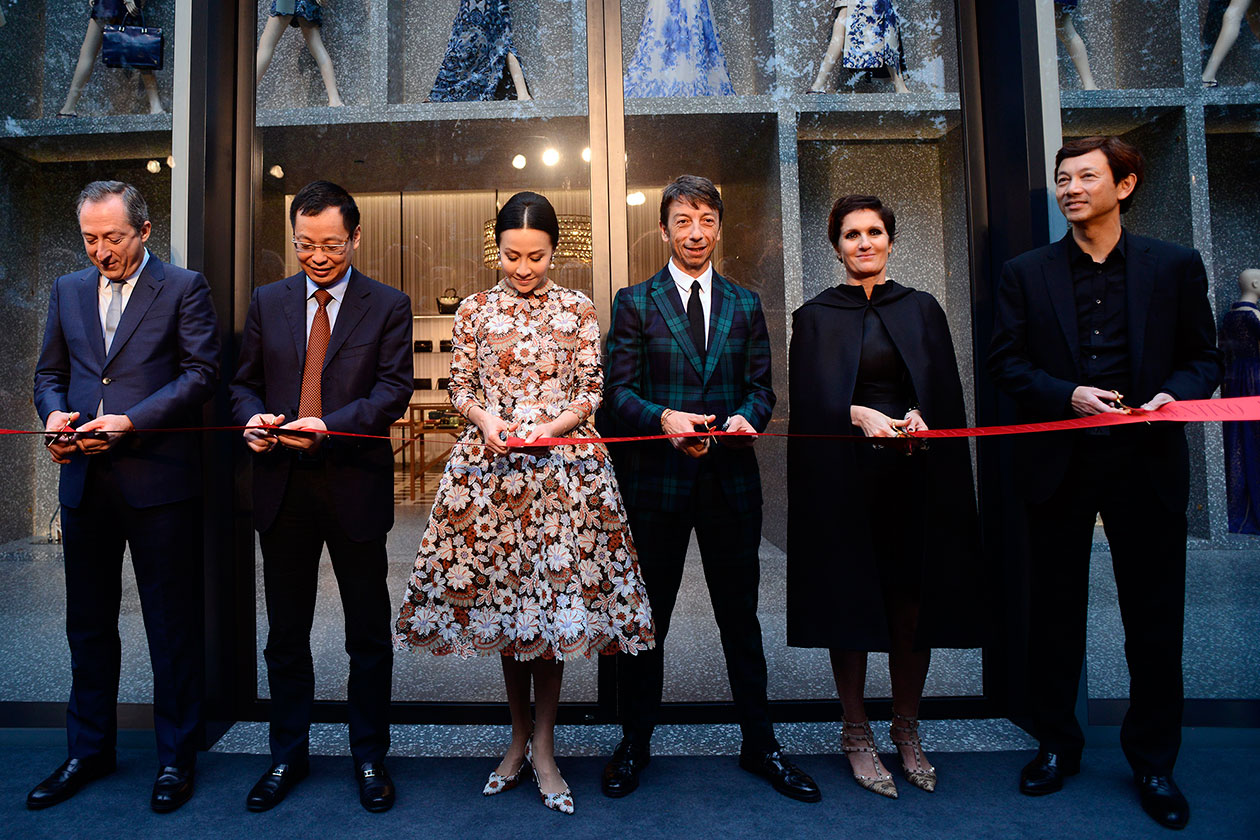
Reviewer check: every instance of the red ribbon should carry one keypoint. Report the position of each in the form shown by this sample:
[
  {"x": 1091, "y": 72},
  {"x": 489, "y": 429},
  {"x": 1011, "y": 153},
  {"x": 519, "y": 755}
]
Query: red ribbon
[{"x": 1230, "y": 409}]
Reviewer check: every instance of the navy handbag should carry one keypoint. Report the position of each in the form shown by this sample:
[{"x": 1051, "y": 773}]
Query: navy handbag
[{"x": 137, "y": 47}]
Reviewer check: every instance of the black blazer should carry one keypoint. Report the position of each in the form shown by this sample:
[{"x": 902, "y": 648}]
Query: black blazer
[
  {"x": 365, "y": 387},
  {"x": 1172, "y": 348}
]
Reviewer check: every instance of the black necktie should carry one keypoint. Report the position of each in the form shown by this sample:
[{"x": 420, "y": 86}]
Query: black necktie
[{"x": 695, "y": 314}]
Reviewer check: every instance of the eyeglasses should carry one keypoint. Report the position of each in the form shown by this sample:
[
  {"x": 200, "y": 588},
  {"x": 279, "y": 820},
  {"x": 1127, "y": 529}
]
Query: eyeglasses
[{"x": 335, "y": 249}]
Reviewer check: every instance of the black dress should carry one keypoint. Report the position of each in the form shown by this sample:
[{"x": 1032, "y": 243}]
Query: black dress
[{"x": 863, "y": 515}]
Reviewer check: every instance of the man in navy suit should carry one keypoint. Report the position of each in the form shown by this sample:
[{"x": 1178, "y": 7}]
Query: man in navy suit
[
  {"x": 1101, "y": 319},
  {"x": 130, "y": 344},
  {"x": 326, "y": 350},
  {"x": 689, "y": 350}
]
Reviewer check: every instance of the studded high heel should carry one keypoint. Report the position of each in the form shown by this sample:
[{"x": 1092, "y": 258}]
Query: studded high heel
[
  {"x": 852, "y": 736},
  {"x": 562, "y": 801},
  {"x": 908, "y": 728}
]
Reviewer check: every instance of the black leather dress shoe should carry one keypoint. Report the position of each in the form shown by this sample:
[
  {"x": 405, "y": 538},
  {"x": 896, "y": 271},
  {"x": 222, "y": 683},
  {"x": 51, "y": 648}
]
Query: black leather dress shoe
[
  {"x": 67, "y": 780},
  {"x": 1163, "y": 800},
  {"x": 376, "y": 788},
  {"x": 275, "y": 784},
  {"x": 1045, "y": 773},
  {"x": 174, "y": 787},
  {"x": 786, "y": 777},
  {"x": 621, "y": 773}
]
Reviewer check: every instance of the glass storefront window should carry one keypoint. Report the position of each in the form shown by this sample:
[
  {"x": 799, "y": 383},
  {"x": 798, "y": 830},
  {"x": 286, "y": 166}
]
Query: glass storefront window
[
  {"x": 65, "y": 120},
  {"x": 780, "y": 157},
  {"x": 433, "y": 139},
  {"x": 1198, "y": 138}
]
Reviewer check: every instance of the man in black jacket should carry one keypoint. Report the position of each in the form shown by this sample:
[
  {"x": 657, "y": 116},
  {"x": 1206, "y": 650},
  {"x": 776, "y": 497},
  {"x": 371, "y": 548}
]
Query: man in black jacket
[{"x": 1086, "y": 325}]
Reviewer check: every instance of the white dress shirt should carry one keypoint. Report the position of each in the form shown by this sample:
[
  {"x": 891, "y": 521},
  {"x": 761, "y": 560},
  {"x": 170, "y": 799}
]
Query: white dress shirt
[
  {"x": 683, "y": 282},
  {"x": 337, "y": 290},
  {"x": 103, "y": 291}
]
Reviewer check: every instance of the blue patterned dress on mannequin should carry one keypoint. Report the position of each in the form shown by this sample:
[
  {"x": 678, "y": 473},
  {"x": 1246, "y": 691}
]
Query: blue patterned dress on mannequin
[
  {"x": 1240, "y": 343},
  {"x": 475, "y": 68},
  {"x": 108, "y": 11},
  {"x": 872, "y": 35},
  {"x": 679, "y": 53},
  {"x": 306, "y": 9}
]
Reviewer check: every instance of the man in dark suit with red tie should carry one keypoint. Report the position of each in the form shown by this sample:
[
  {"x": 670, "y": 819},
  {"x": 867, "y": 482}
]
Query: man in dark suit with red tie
[
  {"x": 326, "y": 350},
  {"x": 130, "y": 344},
  {"x": 689, "y": 350},
  {"x": 1101, "y": 319}
]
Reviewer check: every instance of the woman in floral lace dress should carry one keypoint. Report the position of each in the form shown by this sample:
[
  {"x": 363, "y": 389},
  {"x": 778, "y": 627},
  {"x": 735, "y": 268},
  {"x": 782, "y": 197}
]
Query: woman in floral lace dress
[{"x": 527, "y": 554}]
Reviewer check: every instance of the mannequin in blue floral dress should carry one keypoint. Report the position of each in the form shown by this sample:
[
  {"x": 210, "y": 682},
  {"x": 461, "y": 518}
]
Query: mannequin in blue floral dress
[
  {"x": 865, "y": 35},
  {"x": 307, "y": 16},
  {"x": 1240, "y": 344},
  {"x": 679, "y": 53},
  {"x": 480, "y": 64}
]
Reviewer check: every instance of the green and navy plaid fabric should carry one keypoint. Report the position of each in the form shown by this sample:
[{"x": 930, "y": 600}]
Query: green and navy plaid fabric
[{"x": 652, "y": 364}]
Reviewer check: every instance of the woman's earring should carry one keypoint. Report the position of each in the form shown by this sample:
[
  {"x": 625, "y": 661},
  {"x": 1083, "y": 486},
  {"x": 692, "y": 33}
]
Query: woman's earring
[{"x": 553, "y": 265}]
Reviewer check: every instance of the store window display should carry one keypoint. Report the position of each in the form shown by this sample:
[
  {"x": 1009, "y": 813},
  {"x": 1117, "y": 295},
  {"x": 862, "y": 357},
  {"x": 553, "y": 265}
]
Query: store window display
[
  {"x": 865, "y": 35},
  {"x": 306, "y": 15},
  {"x": 1240, "y": 344},
  {"x": 100, "y": 13},
  {"x": 481, "y": 63},
  {"x": 1231, "y": 26},
  {"x": 679, "y": 53},
  {"x": 1072, "y": 41}
]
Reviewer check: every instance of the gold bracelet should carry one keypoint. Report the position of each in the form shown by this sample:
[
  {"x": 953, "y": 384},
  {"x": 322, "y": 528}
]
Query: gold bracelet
[{"x": 665, "y": 414}]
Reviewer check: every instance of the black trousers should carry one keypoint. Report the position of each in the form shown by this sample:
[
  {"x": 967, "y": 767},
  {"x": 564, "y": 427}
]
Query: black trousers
[
  {"x": 166, "y": 554},
  {"x": 729, "y": 543},
  {"x": 291, "y": 548},
  {"x": 1148, "y": 556}
]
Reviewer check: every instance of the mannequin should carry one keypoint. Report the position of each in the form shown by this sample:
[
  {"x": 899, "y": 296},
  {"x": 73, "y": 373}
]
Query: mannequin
[
  {"x": 1231, "y": 24},
  {"x": 101, "y": 12},
  {"x": 1240, "y": 344},
  {"x": 866, "y": 33},
  {"x": 306, "y": 15},
  {"x": 1073, "y": 42},
  {"x": 679, "y": 53},
  {"x": 480, "y": 63}
]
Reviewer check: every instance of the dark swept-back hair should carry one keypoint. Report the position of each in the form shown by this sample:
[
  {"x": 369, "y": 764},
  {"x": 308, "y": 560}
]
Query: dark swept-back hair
[
  {"x": 137, "y": 208},
  {"x": 1123, "y": 158},
  {"x": 528, "y": 211},
  {"x": 851, "y": 203},
  {"x": 693, "y": 190},
  {"x": 318, "y": 196}
]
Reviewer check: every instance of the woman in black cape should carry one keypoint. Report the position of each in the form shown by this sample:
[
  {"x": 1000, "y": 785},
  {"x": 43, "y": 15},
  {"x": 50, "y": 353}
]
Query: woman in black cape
[{"x": 883, "y": 539}]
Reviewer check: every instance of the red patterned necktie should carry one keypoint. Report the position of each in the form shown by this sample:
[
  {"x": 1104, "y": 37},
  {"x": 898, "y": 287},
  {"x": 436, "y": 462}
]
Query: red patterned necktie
[{"x": 312, "y": 402}]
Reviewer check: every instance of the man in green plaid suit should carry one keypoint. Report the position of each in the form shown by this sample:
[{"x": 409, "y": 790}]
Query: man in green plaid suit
[{"x": 688, "y": 350}]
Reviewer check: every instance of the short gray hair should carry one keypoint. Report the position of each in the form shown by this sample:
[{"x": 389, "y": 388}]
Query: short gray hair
[{"x": 137, "y": 209}]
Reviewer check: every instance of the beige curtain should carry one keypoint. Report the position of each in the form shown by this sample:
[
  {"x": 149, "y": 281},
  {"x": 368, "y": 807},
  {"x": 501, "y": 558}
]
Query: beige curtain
[
  {"x": 379, "y": 255},
  {"x": 442, "y": 245}
]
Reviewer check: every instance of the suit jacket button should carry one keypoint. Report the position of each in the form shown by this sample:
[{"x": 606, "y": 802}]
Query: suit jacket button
[{"x": 106, "y": 381}]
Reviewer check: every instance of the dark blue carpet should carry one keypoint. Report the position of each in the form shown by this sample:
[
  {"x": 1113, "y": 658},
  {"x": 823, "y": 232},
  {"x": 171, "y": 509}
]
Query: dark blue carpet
[{"x": 681, "y": 797}]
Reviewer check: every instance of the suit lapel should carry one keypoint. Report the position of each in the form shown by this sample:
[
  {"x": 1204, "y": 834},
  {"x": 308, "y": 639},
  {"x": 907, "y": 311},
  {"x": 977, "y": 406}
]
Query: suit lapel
[
  {"x": 1139, "y": 285},
  {"x": 90, "y": 313},
  {"x": 353, "y": 306},
  {"x": 295, "y": 314},
  {"x": 1058, "y": 277},
  {"x": 148, "y": 284},
  {"x": 665, "y": 296},
  {"x": 722, "y": 310}
]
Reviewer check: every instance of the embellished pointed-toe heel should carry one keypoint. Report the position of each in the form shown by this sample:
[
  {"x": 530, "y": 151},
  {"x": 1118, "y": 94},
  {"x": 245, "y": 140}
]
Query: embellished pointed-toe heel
[
  {"x": 562, "y": 801},
  {"x": 858, "y": 738},
  {"x": 904, "y": 732},
  {"x": 498, "y": 783}
]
